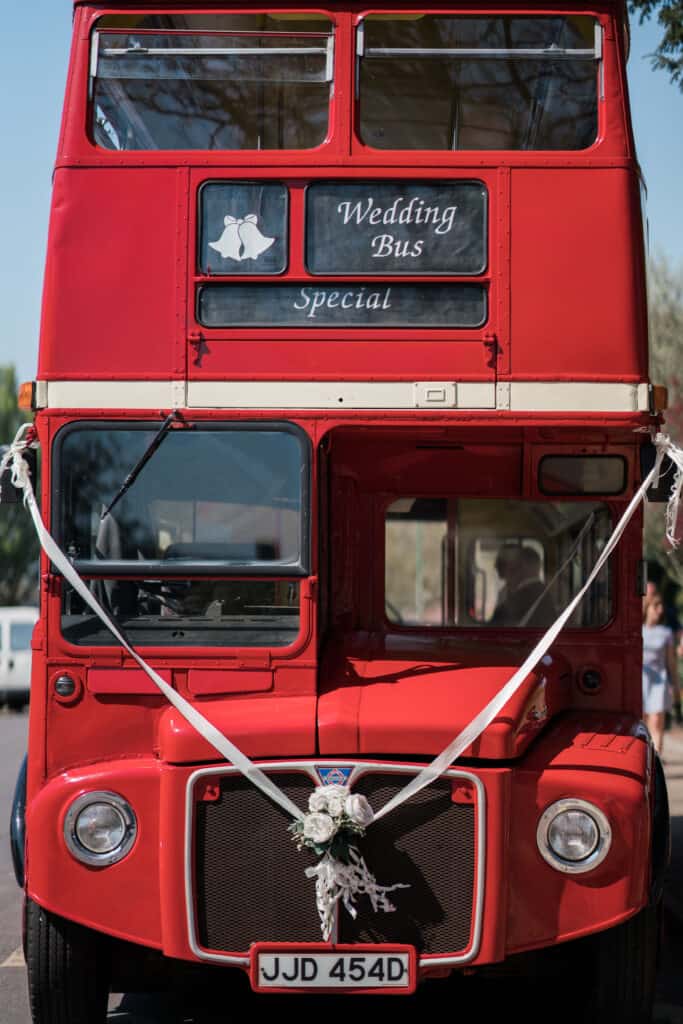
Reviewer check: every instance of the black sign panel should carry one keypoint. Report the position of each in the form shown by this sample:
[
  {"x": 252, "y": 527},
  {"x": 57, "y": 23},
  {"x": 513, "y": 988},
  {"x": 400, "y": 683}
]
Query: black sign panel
[
  {"x": 342, "y": 305},
  {"x": 243, "y": 228},
  {"x": 396, "y": 227}
]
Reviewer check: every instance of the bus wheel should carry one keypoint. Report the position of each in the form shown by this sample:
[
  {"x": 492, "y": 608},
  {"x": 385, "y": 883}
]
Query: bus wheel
[
  {"x": 67, "y": 964},
  {"x": 621, "y": 966}
]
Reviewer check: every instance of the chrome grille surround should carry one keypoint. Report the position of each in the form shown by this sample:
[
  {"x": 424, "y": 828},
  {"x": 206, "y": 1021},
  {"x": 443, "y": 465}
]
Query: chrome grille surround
[{"x": 359, "y": 768}]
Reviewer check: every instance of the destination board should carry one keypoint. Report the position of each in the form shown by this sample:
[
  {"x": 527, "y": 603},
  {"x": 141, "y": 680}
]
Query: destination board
[
  {"x": 342, "y": 305},
  {"x": 405, "y": 227}
]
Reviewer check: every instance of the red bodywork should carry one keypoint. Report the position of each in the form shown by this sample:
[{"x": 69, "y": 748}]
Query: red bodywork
[{"x": 566, "y": 304}]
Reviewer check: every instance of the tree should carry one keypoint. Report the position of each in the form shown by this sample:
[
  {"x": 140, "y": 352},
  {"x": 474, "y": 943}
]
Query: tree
[
  {"x": 666, "y": 364},
  {"x": 18, "y": 542},
  {"x": 669, "y": 54}
]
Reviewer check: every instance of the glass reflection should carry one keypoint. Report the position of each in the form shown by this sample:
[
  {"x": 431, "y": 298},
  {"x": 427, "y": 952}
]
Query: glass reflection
[
  {"x": 230, "y": 88},
  {"x": 492, "y": 99}
]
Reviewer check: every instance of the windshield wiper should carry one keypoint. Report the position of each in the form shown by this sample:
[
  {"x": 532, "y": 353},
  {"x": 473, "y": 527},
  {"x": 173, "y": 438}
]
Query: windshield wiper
[{"x": 173, "y": 417}]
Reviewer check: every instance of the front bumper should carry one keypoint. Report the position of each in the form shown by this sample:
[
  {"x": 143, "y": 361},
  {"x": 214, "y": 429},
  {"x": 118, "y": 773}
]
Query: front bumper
[{"x": 210, "y": 873}]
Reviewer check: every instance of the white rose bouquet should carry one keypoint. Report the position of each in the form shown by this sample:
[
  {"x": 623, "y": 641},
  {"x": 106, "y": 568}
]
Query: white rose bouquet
[{"x": 335, "y": 819}]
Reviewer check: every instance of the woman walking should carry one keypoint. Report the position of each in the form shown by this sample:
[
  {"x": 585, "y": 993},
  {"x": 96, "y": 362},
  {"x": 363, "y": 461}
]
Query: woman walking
[{"x": 659, "y": 668}]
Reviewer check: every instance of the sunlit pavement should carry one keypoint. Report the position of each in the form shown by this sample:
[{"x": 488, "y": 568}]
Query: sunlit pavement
[
  {"x": 669, "y": 1007},
  {"x": 673, "y": 769}
]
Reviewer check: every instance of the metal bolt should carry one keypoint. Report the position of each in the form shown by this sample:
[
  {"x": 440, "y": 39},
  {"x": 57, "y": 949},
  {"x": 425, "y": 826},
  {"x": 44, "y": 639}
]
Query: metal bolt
[{"x": 65, "y": 686}]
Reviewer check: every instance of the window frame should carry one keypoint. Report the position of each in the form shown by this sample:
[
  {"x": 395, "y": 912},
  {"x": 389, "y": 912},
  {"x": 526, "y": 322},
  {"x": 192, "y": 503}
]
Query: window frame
[
  {"x": 177, "y": 647},
  {"x": 333, "y": 63},
  {"x": 568, "y": 492},
  {"x": 151, "y": 569},
  {"x": 479, "y": 630},
  {"x": 405, "y": 182},
  {"x": 359, "y": 147},
  {"x": 209, "y": 275}
]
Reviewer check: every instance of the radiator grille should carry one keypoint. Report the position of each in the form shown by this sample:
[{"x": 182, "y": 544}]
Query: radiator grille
[
  {"x": 429, "y": 843},
  {"x": 250, "y": 882},
  {"x": 249, "y": 877}
]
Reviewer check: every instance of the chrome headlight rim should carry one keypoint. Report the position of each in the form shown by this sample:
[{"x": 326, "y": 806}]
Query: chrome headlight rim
[
  {"x": 595, "y": 858},
  {"x": 76, "y": 847}
]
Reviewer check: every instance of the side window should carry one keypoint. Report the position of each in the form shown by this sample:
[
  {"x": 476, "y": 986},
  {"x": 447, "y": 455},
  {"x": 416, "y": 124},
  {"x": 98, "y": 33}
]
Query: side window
[
  {"x": 20, "y": 634},
  {"x": 500, "y": 563},
  {"x": 415, "y": 560}
]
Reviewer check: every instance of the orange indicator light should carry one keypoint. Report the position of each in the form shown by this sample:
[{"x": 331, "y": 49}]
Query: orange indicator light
[{"x": 25, "y": 396}]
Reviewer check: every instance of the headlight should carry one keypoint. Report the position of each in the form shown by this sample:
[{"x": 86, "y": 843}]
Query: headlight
[
  {"x": 573, "y": 836},
  {"x": 100, "y": 828}
]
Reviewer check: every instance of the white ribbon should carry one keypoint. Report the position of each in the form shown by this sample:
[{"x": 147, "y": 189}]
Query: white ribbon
[
  {"x": 21, "y": 479},
  {"x": 250, "y": 218},
  {"x": 481, "y": 721},
  {"x": 335, "y": 881},
  {"x": 673, "y": 504}
]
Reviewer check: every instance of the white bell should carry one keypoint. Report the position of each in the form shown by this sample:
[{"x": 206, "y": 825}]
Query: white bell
[
  {"x": 253, "y": 241},
  {"x": 241, "y": 239},
  {"x": 230, "y": 243}
]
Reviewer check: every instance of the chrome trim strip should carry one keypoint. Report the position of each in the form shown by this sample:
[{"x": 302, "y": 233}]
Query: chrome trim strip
[
  {"x": 546, "y": 53},
  {"x": 517, "y": 396},
  {"x": 359, "y": 768},
  {"x": 225, "y": 51}
]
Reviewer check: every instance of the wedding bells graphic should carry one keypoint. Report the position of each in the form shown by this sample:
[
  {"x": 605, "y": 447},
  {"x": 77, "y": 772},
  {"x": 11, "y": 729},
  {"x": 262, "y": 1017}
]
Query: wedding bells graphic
[{"x": 241, "y": 239}]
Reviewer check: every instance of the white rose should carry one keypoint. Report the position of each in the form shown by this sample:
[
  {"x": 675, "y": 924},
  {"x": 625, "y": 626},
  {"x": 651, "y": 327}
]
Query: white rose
[
  {"x": 317, "y": 801},
  {"x": 336, "y": 789},
  {"x": 319, "y": 827},
  {"x": 335, "y": 805},
  {"x": 358, "y": 809}
]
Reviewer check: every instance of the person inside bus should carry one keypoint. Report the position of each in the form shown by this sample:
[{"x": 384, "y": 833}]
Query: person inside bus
[{"x": 523, "y": 600}]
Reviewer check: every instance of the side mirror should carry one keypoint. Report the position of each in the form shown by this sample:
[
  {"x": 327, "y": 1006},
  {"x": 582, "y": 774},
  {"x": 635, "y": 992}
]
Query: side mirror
[
  {"x": 10, "y": 495},
  {"x": 661, "y": 491}
]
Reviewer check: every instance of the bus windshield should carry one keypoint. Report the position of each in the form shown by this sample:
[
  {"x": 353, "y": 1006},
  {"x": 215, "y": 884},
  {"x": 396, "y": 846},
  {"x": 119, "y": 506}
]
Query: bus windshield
[
  {"x": 177, "y": 561},
  {"x": 208, "y": 499}
]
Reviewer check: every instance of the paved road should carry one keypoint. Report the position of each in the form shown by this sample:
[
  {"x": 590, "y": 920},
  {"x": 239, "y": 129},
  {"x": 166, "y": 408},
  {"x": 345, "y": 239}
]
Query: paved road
[
  {"x": 469, "y": 997},
  {"x": 13, "y": 1001}
]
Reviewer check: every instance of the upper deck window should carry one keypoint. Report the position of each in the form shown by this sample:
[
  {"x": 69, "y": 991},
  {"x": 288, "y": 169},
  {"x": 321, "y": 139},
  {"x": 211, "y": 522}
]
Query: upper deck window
[
  {"x": 489, "y": 82},
  {"x": 222, "y": 82}
]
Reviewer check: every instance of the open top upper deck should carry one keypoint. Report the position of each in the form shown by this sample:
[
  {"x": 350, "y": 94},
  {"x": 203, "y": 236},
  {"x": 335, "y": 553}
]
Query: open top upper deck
[{"x": 375, "y": 200}]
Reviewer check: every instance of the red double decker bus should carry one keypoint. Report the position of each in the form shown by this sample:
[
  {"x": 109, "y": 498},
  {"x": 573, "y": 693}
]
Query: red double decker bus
[{"x": 342, "y": 390}]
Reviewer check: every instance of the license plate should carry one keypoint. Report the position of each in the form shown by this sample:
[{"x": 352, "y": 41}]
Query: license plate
[{"x": 278, "y": 968}]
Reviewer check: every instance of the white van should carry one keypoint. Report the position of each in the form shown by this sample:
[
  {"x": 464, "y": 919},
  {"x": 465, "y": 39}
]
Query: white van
[{"x": 16, "y": 628}]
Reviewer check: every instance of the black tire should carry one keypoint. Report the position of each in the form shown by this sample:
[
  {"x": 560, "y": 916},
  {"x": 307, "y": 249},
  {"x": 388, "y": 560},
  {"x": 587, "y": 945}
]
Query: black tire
[
  {"x": 620, "y": 968},
  {"x": 68, "y": 970}
]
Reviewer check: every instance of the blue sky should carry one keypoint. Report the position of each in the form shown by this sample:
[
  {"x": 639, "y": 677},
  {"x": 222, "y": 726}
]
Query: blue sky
[{"x": 32, "y": 75}]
